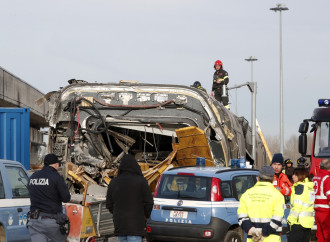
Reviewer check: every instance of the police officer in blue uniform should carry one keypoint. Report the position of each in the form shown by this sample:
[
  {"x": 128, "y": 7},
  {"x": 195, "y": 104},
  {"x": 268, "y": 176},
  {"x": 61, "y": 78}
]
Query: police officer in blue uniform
[{"x": 47, "y": 192}]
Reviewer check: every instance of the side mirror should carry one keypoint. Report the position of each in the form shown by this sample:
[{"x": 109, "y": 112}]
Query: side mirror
[
  {"x": 303, "y": 144},
  {"x": 303, "y": 128}
]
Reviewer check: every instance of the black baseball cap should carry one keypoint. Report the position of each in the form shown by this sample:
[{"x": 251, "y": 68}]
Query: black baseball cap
[{"x": 51, "y": 159}]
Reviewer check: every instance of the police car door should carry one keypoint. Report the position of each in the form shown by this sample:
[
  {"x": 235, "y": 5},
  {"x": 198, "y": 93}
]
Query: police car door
[
  {"x": 16, "y": 203},
  {"x": 242, "y": 182}
]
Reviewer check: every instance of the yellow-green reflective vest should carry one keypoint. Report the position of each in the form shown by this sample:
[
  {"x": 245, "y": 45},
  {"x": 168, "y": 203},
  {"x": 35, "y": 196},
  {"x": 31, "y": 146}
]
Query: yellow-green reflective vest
[{"x": 302, "y": 201}]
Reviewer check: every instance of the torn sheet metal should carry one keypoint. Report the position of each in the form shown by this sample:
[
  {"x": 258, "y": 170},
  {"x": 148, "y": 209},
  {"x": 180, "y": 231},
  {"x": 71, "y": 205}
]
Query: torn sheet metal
[{"x": 92, "y": 125}]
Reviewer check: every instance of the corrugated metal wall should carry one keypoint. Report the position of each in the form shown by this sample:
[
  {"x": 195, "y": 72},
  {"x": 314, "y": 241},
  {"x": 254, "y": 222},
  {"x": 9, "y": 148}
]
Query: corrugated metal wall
[{"x": 15, "y": 135}]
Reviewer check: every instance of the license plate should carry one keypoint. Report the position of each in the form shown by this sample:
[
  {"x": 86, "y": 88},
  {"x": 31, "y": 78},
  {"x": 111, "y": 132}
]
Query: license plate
[{"x": 178, "y": 214}]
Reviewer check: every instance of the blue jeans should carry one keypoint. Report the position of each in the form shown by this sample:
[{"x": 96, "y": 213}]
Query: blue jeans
[{"x": 130, "y": 238}]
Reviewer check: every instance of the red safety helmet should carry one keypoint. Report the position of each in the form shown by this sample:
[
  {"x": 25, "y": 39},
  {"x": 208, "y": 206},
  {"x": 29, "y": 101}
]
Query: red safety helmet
[{"x": 217, "y": 62}]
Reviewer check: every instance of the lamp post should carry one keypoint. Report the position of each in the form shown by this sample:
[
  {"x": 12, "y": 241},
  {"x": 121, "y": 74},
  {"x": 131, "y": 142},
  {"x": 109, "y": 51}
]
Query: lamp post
[
  {"x": 251, "y": 59},
  {"x": 253, "y": 114},
  {"x": 280, "y": 8},
  {"x": 253, "y": 89}
]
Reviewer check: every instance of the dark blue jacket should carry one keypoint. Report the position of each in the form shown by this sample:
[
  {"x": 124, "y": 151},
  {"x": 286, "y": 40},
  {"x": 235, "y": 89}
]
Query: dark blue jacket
[{"x": 48, "y": 190}]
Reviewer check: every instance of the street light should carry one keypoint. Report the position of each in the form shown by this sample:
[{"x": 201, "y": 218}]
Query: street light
[
  {"x": 253, "y": 114},
  {"x": 280, "y": 8},
  {"x": 251, "y": 59},
  {"x": 253, "y": 89}
]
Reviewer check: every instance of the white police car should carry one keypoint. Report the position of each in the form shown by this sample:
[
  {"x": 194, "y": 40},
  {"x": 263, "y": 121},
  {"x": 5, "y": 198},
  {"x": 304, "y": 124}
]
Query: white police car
[{"x": 199, "y": 204}]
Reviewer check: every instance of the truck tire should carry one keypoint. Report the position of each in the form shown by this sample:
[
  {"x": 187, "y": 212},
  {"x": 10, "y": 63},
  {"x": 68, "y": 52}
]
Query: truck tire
[
  {"x": 232, "y": 236},
  {"x": 2, "y": 233}
]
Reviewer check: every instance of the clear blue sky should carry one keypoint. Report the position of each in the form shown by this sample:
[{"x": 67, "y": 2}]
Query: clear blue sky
[{"x": 48, "y": 42}]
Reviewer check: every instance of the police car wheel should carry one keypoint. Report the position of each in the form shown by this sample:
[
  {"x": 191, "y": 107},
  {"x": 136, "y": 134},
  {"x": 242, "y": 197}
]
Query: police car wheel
[{"x": 232, "y": 236}]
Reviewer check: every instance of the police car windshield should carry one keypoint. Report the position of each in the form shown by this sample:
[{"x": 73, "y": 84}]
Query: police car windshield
[{"x": 185, "y": 187}]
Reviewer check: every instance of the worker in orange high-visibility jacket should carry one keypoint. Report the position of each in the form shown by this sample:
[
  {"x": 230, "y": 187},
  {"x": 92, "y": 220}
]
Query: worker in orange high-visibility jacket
[
  {"x": 281, "y": 182},
  {"x": 322, "y": 201}
]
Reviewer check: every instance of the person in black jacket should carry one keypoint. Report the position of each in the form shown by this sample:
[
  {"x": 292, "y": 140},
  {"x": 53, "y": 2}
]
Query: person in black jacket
[
  {"x": 47, "y": 192},
  {"x": 220, "y": 81},
  {"x": 289, "y": 169},
  {"x": 130, "y": 201}
]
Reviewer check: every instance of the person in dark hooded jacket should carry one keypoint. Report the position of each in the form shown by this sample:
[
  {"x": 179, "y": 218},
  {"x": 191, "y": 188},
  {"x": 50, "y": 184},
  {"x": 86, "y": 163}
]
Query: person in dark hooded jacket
[{"x": 130, "y": 201}]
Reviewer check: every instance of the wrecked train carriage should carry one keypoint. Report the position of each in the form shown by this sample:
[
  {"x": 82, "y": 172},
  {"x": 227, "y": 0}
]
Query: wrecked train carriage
[{"x": 93, "y": 125}]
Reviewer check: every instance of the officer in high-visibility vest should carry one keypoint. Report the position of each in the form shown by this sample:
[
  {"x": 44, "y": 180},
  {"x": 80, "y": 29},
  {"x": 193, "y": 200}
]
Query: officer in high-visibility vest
[
  {"x": 261, "y": 210},
  {"x": 301, "y": 217},
  {"x": 322, "y": 201}
]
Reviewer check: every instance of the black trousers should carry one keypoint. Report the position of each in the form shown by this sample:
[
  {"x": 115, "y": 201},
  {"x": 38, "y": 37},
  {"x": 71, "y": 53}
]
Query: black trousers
[
  {"x": 218, "y": 96},
  {"x": 298, "y": 233}
]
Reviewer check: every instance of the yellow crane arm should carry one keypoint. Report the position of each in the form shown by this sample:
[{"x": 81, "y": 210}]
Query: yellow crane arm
[{"x": 263, "y": 141}]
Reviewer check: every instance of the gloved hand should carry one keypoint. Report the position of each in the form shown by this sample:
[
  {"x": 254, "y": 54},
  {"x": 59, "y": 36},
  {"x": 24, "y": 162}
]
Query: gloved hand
[
  {"x": 252, "y": 231},
  {"x": 257, "y": 237},
  {"x": 259, "y": 232},
  {"x": 260, "y": 239},
  {"x": 255, "y": 233}
]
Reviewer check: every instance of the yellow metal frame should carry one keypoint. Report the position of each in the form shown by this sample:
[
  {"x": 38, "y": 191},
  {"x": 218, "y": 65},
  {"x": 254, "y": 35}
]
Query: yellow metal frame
[{"x": 86, "y": 222}]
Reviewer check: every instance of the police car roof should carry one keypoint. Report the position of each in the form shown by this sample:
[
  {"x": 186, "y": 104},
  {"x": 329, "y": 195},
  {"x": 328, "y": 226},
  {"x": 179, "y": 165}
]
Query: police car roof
[
  {"x": 2, "y": 161},
  {"x": 204, "y": 170}
]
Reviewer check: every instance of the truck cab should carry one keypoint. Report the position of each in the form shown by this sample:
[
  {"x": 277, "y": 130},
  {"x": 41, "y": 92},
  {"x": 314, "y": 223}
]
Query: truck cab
[
  {"x": 14, "y": 202},
  {"x": 321, "y": 139}
]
